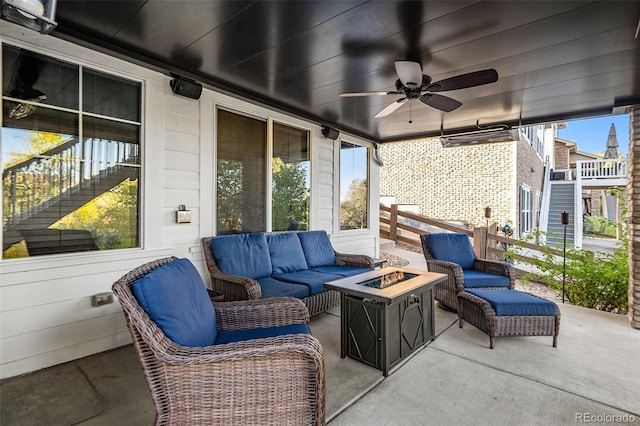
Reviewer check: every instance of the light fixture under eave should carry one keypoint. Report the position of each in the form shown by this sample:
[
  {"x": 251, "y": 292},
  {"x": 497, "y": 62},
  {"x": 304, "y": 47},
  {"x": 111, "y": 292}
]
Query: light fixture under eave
[
  {"x": 480, "y": 137},
  {"x": 37, "y": 15}
]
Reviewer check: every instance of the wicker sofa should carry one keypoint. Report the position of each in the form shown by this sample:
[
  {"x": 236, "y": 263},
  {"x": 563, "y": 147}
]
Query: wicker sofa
[{"x": 280, "y": 264}]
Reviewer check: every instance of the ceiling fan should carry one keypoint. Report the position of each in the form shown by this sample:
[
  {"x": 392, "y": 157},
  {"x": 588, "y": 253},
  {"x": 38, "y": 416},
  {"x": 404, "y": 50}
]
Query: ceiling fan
[{"x": 412, "y": 84}]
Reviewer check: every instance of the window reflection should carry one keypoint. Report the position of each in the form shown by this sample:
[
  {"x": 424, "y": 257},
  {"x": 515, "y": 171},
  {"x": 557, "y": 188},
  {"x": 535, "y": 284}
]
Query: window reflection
[{"x": 354, "y": 186}]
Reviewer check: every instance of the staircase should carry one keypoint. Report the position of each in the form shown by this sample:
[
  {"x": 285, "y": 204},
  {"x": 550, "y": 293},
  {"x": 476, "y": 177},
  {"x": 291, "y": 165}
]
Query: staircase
[
  {"x": 561, "y": 199},
  {"x": 78, "y": 173}
]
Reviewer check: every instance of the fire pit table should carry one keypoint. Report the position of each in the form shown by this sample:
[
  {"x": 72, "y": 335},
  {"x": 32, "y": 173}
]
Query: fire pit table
[{"x": 386, "y": 314}]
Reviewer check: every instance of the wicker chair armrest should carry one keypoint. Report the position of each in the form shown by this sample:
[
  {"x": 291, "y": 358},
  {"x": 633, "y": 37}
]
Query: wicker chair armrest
[
  {"x": 272, "y": 347},
  {"x": 496, "y": 267},
  {"x": 233, "y": 284},
  {"x": 452, "y": 269},
  {"x": 360, "y": 260},
  {"x": 270, "y": 312}
]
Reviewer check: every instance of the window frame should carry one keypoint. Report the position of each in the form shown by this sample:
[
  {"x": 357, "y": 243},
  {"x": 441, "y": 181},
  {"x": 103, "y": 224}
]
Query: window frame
[
  {"x": 338, "y": 180},
  {"x": 525, "y": 209},
  {"x": 97, "y": 67}
]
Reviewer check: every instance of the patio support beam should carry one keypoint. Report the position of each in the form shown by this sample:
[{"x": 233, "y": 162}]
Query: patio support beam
[{"x": 633, "y": 204}]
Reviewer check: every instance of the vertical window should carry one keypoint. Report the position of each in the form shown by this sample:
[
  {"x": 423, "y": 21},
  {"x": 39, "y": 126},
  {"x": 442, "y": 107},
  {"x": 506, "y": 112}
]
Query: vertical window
[
  {"x": 354, "y": 186},
  {"x": 525, "y": 210},
  {"x": 70, "y": 169},
  {"x": 290, "y": 178},
  {"x": 240, "y": 172},
  {"x": 538, "y": 208}
]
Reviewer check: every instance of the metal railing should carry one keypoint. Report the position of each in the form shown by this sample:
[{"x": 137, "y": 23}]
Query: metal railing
[{"x": 34, "y": 184}]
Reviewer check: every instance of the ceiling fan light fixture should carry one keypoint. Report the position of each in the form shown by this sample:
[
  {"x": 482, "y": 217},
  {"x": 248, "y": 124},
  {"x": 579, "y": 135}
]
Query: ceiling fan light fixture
[{"x": 410, "y": 73}]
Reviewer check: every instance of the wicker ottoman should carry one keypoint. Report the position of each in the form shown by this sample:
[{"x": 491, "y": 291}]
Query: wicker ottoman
[{"x": 509, "y": 313}]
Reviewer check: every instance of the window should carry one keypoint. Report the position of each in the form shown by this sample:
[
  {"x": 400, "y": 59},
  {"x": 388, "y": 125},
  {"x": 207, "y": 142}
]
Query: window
[
  {"x": 240, "y": 174},
  {"x": 70, "y": 157},
  {"x": 290, "y": 178},
  {"x": 538, "y": 208},
  {"x": 354, "y": 186},
  {"x": 525, "y": 210}
]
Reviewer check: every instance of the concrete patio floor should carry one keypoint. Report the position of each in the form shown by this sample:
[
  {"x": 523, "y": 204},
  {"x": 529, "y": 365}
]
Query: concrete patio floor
[{"x": 591, "y": 377}]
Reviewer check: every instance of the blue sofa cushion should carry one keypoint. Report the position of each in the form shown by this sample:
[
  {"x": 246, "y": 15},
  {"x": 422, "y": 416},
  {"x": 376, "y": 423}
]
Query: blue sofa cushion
[
  {"x": 270, "y": 287},
  {"x": 246, "y": 255},
  {"x": 454, "y": 248},
  {"x": 317, "y": 248},
  {"x": 174, "y": 297},
  {"x": 286, "y": 253},
  {"x": 477, "y": 279},
  {"x": 514, "y": 302},
  {"x": 344, "y": 270},
  {"x": 229, "y": 336},
  {"x": 312, "y": 279}
]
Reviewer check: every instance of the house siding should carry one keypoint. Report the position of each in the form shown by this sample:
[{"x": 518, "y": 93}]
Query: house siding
[{"x": 46, "y": 317}]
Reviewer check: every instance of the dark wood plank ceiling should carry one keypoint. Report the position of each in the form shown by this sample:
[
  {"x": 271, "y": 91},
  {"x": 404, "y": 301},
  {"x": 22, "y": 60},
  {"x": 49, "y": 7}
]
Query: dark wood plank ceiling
[{"x": 555, "y": 59}]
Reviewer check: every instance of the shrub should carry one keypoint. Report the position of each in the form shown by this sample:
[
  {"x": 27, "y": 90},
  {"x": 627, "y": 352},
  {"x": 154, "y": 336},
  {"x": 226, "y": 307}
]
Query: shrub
[{"x": 592, "y": 279}]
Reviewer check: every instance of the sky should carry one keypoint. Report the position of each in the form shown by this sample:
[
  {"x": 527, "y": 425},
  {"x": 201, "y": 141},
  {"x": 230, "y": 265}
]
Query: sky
[{"x": 591, "y": 134}]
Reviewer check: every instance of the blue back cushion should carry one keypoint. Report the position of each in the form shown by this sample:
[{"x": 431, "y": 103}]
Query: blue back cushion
[
  {"x": 286, "y": 253},
  {"x": 514, "y": 302},
  {"x": 246, "y": 255},
  {"x": 454, "y": 248},
  {"x": 174, "y": 297},
  {"x": 477, "y": 279},
  {"x": 317, "y": 248}
]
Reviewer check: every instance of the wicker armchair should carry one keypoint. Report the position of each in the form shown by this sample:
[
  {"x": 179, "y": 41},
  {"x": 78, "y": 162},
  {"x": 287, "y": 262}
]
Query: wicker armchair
[
  {"x": 446, "y": 293},
  {"x": 271, "y": 380}
]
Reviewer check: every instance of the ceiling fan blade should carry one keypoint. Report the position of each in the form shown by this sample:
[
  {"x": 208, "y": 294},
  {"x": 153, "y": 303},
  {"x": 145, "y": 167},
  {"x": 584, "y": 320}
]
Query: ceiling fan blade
[
  {"x": 443, "y": 103},
  {"x": 353, "y": 94},
  {"x": 391, "y": 107},
  {"x": 462, "y": 81},
  {"x": 409, "y": 72}
]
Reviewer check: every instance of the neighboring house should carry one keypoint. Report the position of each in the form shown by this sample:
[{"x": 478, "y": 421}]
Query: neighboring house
[
  {"x": 112, "y": 130},
  {"x": 457, "y": 183}
]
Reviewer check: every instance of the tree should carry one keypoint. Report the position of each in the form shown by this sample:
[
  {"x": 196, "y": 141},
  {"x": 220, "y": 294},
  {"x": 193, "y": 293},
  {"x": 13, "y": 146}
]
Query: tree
[
  {"x": 290, "y": 197},
  {"x": 353, "y": 210}
]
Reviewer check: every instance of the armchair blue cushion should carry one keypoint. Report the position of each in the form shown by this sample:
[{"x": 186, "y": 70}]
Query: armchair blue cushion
[
  {"x": 516, "y": 303},
  {"x": 477, "y": 279},
  {"x": 175, "y": 298},
  {"x": 243, "y": 254},
  {"x": 454, "y": 248},
  {"x": 317, "y": 248},
  {"x": 286, "y": 253},
  {"x": 230, "y": 336}
]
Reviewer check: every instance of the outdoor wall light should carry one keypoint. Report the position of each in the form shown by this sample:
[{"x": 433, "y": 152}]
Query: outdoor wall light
[{"x": 38, "y": 15}]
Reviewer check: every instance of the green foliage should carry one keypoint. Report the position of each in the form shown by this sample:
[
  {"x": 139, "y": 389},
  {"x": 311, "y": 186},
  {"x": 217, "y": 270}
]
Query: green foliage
[
  {"x": 229, "y": 195},
  {"x": 592, "y": 279},
  {"x": 112, "y": 218},
  {"x": 290, "y": 196},
  {"x": 599, "y": 225},
  {"x": 353, "y": 210}
]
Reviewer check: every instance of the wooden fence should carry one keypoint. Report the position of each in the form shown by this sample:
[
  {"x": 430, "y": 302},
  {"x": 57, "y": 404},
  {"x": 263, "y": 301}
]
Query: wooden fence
[{"x": 487, "y": 241}]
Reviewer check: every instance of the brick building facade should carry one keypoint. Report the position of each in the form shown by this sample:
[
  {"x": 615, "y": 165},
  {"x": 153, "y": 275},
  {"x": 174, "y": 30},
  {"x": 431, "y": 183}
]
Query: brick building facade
[{"x": 456, "y": 184}]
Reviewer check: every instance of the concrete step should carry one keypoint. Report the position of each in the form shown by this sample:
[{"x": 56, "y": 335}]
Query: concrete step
[{"x": 386, "y": 245}]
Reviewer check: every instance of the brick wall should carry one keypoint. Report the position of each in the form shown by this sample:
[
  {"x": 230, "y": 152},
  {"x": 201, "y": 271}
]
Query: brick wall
[
  {"x": 561, "y": 156},
  {"x": 633, "y": 205},
  {"x": 450, "y": 183}
]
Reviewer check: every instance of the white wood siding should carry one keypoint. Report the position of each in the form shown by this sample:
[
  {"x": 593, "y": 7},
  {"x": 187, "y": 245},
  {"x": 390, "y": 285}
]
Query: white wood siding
[{"x": 46, "y": 316}]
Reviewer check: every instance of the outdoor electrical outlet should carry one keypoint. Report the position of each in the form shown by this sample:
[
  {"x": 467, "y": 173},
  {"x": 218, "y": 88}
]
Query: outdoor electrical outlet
[{"x": 101, "y": 299}]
